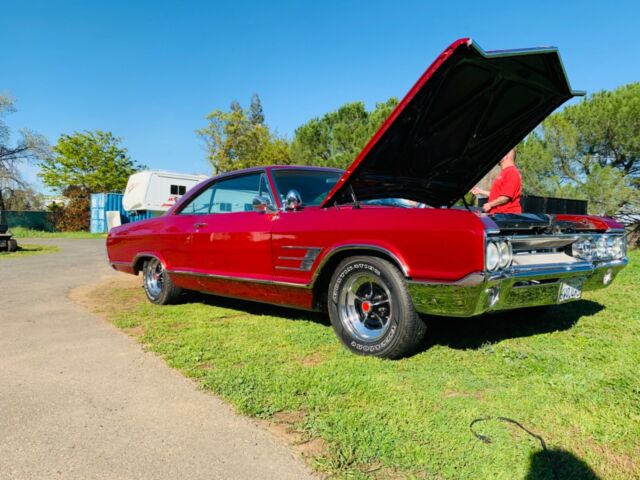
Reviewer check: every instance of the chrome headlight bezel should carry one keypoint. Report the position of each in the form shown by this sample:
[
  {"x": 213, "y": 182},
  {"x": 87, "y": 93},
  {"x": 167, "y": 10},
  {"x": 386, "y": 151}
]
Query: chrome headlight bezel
[
  {"x": 506, "y": 254},
  {"x": 498, "y": 254},
  {"x": 491, "y": 256}
]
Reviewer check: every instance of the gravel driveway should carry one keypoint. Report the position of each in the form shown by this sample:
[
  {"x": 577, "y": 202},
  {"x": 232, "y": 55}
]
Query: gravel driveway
[{"x": 79, "y": 399}]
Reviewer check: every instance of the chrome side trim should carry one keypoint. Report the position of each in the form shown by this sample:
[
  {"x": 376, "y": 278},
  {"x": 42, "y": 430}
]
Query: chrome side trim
[
  {"x": 237, "y": 279},
  {"x": 116, "y": 262},
  {"x": 306, "y": 262},
  {"x": 471, "y": 280},
  {"x": 356, "y": 246}
]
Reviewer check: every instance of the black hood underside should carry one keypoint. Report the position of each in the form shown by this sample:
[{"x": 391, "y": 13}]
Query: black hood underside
[{"x": 464, "y": 114}]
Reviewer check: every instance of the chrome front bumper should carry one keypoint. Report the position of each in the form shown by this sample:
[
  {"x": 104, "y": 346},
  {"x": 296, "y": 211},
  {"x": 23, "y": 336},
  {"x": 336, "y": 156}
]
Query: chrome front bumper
[{"x": 519, "y": 287}]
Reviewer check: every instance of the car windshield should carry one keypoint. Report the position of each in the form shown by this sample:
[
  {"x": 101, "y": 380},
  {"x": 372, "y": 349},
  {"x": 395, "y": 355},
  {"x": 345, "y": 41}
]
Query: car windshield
[
  {"x": 312, "y": 185},
  {"x": 395, "y": 202}
]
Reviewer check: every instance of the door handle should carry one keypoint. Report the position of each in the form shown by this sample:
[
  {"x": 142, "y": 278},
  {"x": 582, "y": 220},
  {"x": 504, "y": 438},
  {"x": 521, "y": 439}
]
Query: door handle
[{"x": 199, "y": 225}]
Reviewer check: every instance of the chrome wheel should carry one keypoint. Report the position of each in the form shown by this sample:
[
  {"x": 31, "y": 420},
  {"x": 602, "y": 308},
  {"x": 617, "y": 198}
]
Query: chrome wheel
[
  {"x": 154, "y": 278},
  {"x": 364, "y": 306}
]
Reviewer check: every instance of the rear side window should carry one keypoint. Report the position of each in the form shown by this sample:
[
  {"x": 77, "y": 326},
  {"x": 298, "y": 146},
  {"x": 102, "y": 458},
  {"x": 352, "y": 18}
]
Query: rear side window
[
  {"x": 178, "y": 189},
  {"x": 228, "y": 196}
]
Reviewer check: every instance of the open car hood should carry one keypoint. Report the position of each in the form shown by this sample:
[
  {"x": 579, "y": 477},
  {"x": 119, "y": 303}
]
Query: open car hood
[{"x": 466, "y": 111}]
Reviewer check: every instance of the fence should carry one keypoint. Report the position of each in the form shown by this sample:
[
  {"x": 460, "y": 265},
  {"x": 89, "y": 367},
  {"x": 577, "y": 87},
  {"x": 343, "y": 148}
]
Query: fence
[
  {"x": 535, "y": 204},
  {"x": 32, "y": 220}
]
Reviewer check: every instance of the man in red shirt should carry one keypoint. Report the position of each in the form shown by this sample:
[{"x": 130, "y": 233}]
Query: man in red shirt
[{"x": 504, "y": 196}]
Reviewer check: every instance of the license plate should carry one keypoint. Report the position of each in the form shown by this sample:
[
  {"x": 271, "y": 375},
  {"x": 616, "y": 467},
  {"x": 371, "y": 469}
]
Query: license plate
[{"x": 569, "y": 291}]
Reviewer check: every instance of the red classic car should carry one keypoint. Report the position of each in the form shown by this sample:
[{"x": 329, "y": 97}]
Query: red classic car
[{"x": 343, "y": 242}]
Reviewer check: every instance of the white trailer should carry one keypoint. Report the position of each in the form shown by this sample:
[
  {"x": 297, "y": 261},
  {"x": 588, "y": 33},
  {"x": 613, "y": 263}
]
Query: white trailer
[{"x": 157, "y": 190}]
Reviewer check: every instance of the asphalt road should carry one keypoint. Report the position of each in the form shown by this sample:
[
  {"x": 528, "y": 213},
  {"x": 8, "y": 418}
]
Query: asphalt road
[{"x": 81, "y": 400}]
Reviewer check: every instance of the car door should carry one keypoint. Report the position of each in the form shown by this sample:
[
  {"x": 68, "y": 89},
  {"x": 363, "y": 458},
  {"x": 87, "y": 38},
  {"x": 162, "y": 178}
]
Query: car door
[{"x": 228, "y": 238}]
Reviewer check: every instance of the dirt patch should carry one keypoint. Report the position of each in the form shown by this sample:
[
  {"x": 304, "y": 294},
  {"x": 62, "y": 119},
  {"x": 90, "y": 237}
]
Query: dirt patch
[
  {"x": 99, "y": 297},
  {"x": 291, "y": 417},
  {"x": 311, "y": 360},
  {"x": 135, "y": 331},
  {"x": 615, "y": 461},
  {"x": 284, "y": 425},
  {"x": 206, "y": 366},
  {"x": 458, "y": 394}
]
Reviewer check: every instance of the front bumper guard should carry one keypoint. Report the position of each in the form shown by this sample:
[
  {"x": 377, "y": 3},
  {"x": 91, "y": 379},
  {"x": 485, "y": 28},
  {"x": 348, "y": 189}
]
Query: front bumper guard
[{"x": 517, "y": 287}]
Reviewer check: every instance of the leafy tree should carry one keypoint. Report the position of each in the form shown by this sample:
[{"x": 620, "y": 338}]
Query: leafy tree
[
  {"x": 23, "y": 198},
  {"x": 256, "y": 114},
  {"x": 93, "y": 161},
  {"x": 28, "y": 146},
  {"x": 335, "y": 139},
  {"x": 238, "y": 139},
  {"x": 74, "y": 216},
  {"x": 589, "y": 150}
]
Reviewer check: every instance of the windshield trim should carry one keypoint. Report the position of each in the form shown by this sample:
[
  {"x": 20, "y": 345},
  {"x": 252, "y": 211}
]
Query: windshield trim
[{"x": 275, "y": 171}]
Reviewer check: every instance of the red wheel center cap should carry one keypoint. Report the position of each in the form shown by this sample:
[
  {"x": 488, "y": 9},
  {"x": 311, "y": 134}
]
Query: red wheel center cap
[{"x": 366, "y": 306}]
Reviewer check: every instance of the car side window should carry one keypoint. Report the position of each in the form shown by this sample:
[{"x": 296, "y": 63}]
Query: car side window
[
  {"x": 200, "y": 205},
  {"x": 236, "y": 194},
  {"x": 229, "y": 196}
]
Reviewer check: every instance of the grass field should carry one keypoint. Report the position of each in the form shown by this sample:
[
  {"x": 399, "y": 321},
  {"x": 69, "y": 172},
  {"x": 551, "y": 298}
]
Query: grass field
[
  {"x": 20, "y": 232},
  {"x": 26, "y": 249},
  {"x": 570, "y": 374}
]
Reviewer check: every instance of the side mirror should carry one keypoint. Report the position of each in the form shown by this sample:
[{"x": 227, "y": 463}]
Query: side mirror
[
  {"x": 261, "y": 204},
  {"x": 292, "y": 201}
]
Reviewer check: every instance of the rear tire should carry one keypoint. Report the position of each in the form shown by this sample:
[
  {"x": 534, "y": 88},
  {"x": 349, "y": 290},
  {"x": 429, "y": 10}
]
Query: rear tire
[
  {"x": 12, "y": 245},
  {"x": 157, "y": 283},
  {"x": 371, "y": 310}
]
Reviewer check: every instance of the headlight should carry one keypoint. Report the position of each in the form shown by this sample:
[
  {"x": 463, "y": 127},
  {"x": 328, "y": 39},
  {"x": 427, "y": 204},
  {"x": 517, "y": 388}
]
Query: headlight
[
  {"x": 601, "y": 247},
  {"x": 583, "y": 248},
  {"x": 492, "y": 256},
  {"x": 505, "y": 254},
  {"x": 616, "y": 246}
]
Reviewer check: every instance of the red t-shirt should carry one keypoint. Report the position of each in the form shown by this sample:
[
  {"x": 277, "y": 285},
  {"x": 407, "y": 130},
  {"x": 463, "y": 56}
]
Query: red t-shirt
[{"x": 509, "y": 184}]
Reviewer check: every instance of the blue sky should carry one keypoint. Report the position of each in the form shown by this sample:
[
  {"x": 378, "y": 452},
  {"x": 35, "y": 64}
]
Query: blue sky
[{"x": 150, "y": 71}]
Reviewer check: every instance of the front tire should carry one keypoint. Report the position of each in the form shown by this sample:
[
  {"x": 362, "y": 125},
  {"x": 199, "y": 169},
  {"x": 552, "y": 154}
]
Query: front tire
[
  {"x": 12, "y": 245},
  {"x": 158, "y": 284},
  {"x": 371, "y": 310}
]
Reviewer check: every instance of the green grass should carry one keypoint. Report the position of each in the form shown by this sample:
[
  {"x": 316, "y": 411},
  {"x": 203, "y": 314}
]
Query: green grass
[
  {"x": 25, "y": 250},
  {"x": 570, "y": 374},
  {"x": 20, "y": 232}
]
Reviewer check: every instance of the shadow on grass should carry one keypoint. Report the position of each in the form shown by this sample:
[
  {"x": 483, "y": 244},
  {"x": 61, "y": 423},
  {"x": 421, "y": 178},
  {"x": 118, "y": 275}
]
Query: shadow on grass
[
  {"x": 474, "y": 332},
  {"x": 459, "y": 333},
  {"x": 558, "y": 464},
  {"x": 256, "y": 308}
]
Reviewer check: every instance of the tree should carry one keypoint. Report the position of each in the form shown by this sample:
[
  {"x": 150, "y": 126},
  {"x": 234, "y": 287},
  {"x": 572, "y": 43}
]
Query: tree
[
  {"x": 240, "y": 139},
  {"x": 28, "y": 147},
  {"x": 23, "y": 198},
  {"x": 93, "y": 161},
  {"x": 335, "y": 139},
  {"x": 256, "y": 115},
  {"x": 589, "y": 150},
  {"x": 74, "y": 215}
]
